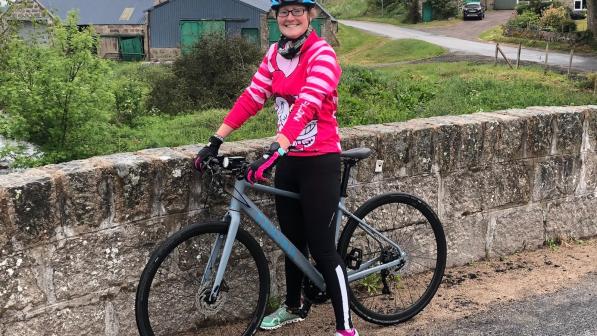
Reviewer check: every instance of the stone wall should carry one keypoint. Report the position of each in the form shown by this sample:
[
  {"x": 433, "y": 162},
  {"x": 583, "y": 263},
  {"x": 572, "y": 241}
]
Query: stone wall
[
  {"x": 74, "y": 237},
  {"x": 164, "y": 54}
]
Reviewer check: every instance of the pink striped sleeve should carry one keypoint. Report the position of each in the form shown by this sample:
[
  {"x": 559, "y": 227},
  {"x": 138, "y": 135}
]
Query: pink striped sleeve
[
  {"x": 254, "y": 97},
  {"x": 323, "y": 76}
]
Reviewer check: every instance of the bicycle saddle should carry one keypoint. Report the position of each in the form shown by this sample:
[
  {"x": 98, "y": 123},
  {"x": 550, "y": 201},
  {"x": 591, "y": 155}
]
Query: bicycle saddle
[{"x": 356, "y": 153}]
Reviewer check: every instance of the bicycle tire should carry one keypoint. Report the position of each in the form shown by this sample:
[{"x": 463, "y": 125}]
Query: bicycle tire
[
  {"x": 161, "y": 305},
  {"x": 413, "y": 219}
]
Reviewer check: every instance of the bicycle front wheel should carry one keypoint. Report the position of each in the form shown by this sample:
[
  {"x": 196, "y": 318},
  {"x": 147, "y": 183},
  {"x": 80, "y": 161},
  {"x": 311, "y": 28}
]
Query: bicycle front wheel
[
  {"x": 175, "y": 286},
  {"x": 398, "y": 293}
]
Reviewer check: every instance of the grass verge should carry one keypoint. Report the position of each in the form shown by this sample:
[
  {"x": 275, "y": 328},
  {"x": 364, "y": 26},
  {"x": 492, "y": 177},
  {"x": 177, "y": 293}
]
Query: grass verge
[
  {"x": 360, "y": 48},
  {"x": 495, "y": 34}
]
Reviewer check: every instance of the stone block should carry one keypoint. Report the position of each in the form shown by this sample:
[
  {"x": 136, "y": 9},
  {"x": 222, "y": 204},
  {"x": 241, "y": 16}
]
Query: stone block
[
  {"x": 539, "y": 131},
  {"x": 509, "y": 138},
  {"x": 474, "y": 190},
  {"x": 424, "y": 187},
  {"x": 466, "y": 238},
  {"x": 555, "y": 177},
  {"x": 30, "y": 205},
  {"x": 71, "y": 321},
  {"x": 19, "y": 287},
  {"x": 392, "y": 147},
  {"x": 108, "y": 258},
  {"x": 569, "y": 127},
  {"x": 447, "y": 139},
  {"x": 515, "y": 229},
  {"x": 363, "y": 136},
  {"x": 471, "y": 146},
  {"x": 421, "y": 157},
  {"x": 84, "y": 193},
  {"x": 120, "y": 314},
  {"x": 587, "y": 182},
  {"x": 573, "y": 217},
  {"x": 591, "y": 121},
  {"x": 130, "y": 186},
  {"x": 172, "y": 184}
]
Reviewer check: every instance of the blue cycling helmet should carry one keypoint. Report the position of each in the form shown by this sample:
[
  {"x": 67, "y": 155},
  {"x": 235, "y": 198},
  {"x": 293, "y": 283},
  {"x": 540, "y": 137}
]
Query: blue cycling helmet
[{"x": 277, "y": 3}]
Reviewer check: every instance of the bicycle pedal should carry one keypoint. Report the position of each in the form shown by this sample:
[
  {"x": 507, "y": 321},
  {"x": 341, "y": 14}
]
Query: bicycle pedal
[{"x": 354, "y": 259}]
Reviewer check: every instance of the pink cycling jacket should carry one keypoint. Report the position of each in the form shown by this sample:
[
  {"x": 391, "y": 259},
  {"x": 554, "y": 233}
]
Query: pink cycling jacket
[{"x": 305, "y": 95}]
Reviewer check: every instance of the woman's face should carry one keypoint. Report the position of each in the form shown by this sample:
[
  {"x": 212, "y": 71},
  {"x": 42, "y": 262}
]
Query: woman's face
[{"x": 293, "y": 20}]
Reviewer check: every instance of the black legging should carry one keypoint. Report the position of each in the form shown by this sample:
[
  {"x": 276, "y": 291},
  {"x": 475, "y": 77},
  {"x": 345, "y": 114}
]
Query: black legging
[{"x": 308, "y": 222}]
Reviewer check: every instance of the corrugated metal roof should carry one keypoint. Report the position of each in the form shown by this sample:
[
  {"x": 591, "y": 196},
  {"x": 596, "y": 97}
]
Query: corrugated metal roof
[
  {"x": 101, "y": 11},
  {"x": 264, "y": 5}
]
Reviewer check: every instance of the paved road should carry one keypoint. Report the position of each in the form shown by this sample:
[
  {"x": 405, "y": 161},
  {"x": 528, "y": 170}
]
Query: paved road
[
  {"x": 470, "y": 29},
  {"x": 568, "y": 312},
  {"x": 453, "y": 44}
]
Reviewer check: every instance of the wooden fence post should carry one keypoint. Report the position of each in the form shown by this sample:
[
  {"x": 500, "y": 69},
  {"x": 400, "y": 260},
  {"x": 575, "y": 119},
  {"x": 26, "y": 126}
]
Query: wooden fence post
[
  {"x": 518, "y": 57},
  {"x": 497, "y": 47},
  {"x": 546, "y": 55},
  {"x": 504, "y": 56},
  {"x": 570, "y": 63}
]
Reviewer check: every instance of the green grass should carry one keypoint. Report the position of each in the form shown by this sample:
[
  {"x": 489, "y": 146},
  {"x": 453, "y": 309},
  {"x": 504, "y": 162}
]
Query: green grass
[
  {"x": 393, "y": 93},
  {"x": 346, "y": 9},
  {"x": 495, "y": 34},
  {"x": 397, "y": 21},
  {"x": 359, "y": 48}
]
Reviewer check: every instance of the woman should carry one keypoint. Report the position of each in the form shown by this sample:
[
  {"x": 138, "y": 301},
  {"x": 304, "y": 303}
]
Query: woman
[{"x": 301, "y": 73}]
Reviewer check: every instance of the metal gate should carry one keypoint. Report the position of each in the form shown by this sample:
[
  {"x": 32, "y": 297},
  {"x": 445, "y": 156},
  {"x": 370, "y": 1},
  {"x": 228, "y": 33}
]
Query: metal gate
[{"x": 505, "y": 4}]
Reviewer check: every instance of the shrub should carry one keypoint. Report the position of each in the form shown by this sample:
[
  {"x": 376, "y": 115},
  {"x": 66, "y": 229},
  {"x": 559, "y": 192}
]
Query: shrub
[
  {"x": 443, "y": 9},
  {"x": 130, "y": 96},
  {"x": 521, "y": 8},
  {"x": 525, "y": 20},
  {"x": 557, "y": 19},
  {"x": 212, "y": 75},
  {"x": 412, "y": 16},
  {"x": 55, "y": 93},
  {"x": 538, "y": 6}
]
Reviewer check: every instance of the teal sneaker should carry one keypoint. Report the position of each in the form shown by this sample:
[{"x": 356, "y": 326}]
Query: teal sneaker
[{"x": 279, "y": 318}]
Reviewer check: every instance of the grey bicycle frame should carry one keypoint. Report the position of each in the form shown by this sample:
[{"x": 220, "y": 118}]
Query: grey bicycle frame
[{"x": 241, "y": 202}]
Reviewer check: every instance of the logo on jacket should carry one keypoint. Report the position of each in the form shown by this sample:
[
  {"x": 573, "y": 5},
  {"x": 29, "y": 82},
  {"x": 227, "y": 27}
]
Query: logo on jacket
[{"x": 308, "y": 134}]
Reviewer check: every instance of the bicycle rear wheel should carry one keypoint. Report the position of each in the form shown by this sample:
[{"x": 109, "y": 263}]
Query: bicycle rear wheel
[
  {"x": 396, "y": 294},
  {"x": 172, "y": 300}
]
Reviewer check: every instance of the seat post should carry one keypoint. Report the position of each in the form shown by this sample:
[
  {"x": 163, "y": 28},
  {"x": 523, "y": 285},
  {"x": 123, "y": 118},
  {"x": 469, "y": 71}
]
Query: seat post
[{"x": 348, "y": 164}]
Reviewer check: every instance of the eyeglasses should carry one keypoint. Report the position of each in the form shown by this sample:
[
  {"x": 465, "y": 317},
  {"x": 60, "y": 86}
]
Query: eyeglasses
[{"x": 295, "y": 12}]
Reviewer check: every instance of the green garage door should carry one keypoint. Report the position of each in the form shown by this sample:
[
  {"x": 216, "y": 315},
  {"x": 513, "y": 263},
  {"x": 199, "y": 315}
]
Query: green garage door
[
  {"x": 274, "y": 30},
  {"x": 505, "y": 4},
  {"x": 191, "y": 32},
  {"x": 251, "y": 35},
  {"x": 131, "y": 48}
]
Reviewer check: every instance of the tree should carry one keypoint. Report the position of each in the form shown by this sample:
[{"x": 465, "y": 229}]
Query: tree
[
  {"x": 592, "y": 17},
  {"x": 54, "y": 94}
]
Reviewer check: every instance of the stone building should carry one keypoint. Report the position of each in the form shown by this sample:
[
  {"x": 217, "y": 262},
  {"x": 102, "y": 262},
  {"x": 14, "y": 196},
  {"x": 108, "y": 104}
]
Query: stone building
[
  {"x": 175, "y": 25},
  {"x": 120, "y": 24}
]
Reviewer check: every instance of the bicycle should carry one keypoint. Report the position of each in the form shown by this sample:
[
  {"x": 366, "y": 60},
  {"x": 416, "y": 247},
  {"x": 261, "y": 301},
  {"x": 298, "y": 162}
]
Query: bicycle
[{"x": 213, "y": 278}]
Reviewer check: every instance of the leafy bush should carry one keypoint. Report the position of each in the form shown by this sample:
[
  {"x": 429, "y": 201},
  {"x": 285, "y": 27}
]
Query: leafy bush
[
  {"x": 54, "y": 94},
  {"x": 538, "y": 6},
  {"x": 211, "y": 76},
  {"x": 443, "y": 9},
  {"x": 413, "y": 16},
  {"x": 557, "y": 19},
  {"x": 524, "y": 20},
  {"x": 521, "y": 8},
  {"x": 130, "y": 98}
]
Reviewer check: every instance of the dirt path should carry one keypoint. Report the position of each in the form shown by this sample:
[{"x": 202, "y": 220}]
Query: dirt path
[
  {"x": 471, "y": 289},
  {"x": 471, "y": 29}
]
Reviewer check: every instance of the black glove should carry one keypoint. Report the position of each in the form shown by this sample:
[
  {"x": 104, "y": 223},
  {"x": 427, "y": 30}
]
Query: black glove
[
  {"x": 207, "y": 152},
  {"x": 260, "y": 169}
]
